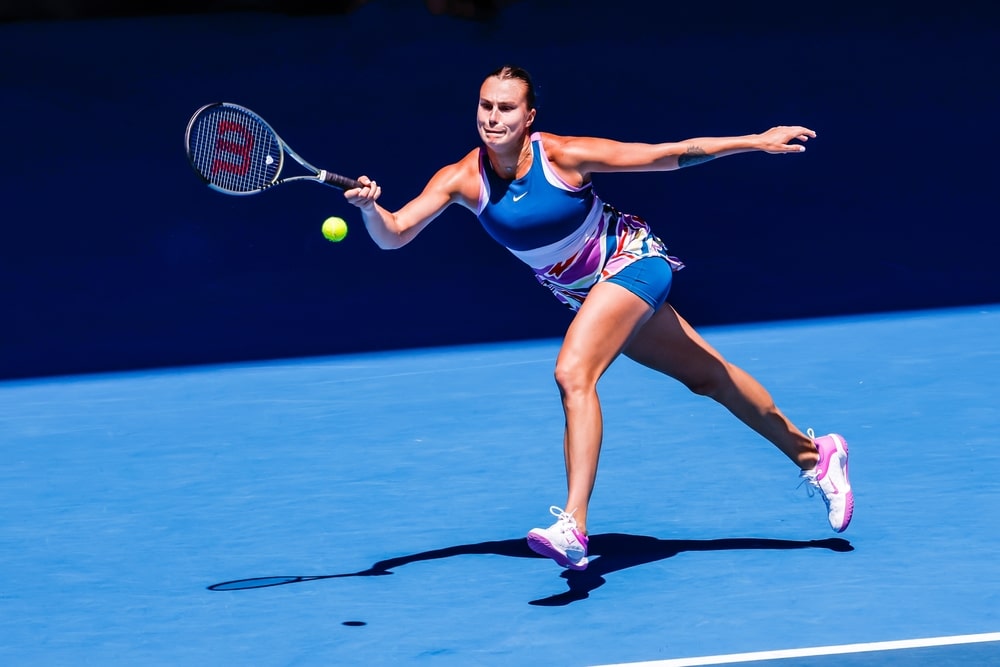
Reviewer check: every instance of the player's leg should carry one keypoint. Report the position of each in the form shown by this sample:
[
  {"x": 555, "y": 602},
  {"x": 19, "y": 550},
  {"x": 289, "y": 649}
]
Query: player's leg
[
  {"x": 667, "y": 343},
  {"x": 600, "y": 330},
  {"x": 605, "y": 323}
]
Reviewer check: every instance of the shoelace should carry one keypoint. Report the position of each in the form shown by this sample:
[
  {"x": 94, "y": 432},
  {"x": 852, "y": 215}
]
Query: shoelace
[
  {"x": 813, "y": 486},
  {"x": 565, "y": 519},
  {"x": 808, "y": 478},
  {"x": 809, "y": 475}
]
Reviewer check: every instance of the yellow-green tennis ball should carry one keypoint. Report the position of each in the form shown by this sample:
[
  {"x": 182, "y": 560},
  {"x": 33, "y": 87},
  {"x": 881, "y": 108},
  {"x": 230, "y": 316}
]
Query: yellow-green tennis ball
[{"x": 334, "y": 228}]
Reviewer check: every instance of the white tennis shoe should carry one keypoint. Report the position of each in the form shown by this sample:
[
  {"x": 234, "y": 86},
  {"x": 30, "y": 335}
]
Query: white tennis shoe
[
  {"x": 562, "y": 541},
  {"x": 830, "y": 477}
]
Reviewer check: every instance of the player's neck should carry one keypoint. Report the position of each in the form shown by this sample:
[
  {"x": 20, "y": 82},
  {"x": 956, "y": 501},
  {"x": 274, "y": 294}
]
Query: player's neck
[{"x": 508, "y": 165}]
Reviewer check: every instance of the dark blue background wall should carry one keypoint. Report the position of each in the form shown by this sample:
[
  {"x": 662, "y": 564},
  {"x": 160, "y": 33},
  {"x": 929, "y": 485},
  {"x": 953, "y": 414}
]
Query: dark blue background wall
[{"x": 114, "y": 256}]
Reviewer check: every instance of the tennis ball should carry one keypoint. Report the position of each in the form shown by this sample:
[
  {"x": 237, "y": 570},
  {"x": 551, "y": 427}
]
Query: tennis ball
[{"x": 334, "y": 229}]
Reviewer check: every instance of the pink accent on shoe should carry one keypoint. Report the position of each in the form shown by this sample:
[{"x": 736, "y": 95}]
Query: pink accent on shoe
[
  {"x": 827, "y": 446},
  {"x": 833, "y": 450},
  {"x": 543, "y": 542},
  {"x": 824, "y": 444},
  {"x": 540, "y": 544}
]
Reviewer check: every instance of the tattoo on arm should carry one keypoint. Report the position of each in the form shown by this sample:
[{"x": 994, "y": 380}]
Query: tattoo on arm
[{"x": 693, "y": 156}]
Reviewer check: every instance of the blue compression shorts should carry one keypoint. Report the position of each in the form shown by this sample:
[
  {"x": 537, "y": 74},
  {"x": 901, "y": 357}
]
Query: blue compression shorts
[{"x": 648, "y": 278}]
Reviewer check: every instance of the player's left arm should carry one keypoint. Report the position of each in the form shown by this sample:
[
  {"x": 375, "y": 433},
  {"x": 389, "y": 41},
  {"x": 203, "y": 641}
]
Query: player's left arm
[{"x": 585, "y": 155}]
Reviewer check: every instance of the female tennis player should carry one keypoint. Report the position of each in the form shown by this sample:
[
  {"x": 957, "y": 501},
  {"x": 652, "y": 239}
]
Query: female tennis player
[{"x": 532, "y": 193}]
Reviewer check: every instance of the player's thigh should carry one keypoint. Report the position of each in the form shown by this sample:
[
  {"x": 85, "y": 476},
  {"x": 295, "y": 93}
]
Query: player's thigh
[
  {"x": 667, "y": 343},
  {"x": 608, "y": 319}
]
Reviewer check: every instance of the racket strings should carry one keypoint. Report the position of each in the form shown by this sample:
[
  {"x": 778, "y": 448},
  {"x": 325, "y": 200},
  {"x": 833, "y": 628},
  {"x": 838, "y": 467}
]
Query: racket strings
[{"x": 234, "y": 151}]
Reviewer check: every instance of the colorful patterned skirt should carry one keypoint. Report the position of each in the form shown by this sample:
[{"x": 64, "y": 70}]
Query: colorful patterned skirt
[{"x": 605, "y": 244}]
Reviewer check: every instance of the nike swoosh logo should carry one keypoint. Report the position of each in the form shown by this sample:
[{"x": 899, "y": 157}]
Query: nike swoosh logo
[{"x": 520, "y": 196}]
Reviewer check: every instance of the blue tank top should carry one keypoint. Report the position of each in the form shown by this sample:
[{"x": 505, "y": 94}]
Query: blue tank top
[{"x": 534, "y": 211}]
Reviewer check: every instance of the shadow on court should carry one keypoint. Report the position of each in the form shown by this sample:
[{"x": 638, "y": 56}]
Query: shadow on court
[{"x": 609, "y": 553}]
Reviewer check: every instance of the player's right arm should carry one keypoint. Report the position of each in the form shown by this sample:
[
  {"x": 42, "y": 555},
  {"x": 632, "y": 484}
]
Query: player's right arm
[{"x": 455, "y": 183}]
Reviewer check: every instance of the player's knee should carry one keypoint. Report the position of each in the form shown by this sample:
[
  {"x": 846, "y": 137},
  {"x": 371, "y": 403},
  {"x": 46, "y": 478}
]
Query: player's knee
[
  {"x": 703, "y": 387},
  {"x": 572, "y": 377},
  {"x": 565, "y": 378},
  {"x": 713, "y": 383}
]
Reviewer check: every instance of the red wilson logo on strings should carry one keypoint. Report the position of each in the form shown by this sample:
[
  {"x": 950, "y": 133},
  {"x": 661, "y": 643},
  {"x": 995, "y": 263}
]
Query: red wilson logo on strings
[{"x": 225, "y": 145}]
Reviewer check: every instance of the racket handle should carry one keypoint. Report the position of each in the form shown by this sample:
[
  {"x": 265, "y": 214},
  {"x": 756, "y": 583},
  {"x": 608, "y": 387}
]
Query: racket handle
[{"x": 338, "y": 181}]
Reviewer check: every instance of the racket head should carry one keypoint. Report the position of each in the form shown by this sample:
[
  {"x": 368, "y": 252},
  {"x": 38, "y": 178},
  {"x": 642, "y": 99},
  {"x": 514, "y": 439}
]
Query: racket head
[{"x": 233, "y": 149}]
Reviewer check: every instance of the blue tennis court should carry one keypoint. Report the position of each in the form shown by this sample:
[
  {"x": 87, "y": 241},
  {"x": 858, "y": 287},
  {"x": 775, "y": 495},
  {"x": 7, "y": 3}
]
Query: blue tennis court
[{"x": 371, "y": 509}]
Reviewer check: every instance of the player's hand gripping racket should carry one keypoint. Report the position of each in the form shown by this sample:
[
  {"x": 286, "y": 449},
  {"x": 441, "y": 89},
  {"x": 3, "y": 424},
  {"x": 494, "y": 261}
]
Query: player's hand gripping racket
[{"x": 236, "y": 152}]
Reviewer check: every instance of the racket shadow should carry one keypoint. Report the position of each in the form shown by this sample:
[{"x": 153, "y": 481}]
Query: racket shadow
[
  {"x": 512, "y": 548},
  {"x": 609, "y": 553}
]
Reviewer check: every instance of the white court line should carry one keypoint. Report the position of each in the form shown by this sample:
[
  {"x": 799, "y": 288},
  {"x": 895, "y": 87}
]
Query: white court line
[{"x": 816, "y": 651}]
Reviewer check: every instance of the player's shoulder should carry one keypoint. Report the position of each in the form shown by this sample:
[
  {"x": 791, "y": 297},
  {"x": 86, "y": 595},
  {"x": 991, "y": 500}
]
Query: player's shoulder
[
  {"x": 460, "y": 180},
  {"x": 464, "y": 170},
  {"x": 549, "y": 140},
  {"x": 565, "y": 150},
  {"x": 471, "y": 159},
  {"x": 558, "y": 145}
]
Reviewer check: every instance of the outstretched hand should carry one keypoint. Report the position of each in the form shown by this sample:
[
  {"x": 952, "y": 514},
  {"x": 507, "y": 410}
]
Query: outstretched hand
[
  {"x": 364, "y": 197},
  {"x": 776, "y": 140}
]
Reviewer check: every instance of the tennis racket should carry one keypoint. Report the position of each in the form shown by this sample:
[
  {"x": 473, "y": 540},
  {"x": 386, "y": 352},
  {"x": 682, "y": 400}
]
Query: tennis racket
[{"x": 236, "y": 152}]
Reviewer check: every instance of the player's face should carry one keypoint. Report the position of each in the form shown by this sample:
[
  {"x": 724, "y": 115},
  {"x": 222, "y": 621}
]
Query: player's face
[{"x": 504, "y": 116}]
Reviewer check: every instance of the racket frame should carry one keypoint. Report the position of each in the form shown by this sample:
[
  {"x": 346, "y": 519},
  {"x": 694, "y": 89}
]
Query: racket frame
[{"x": 282, "y": 148}]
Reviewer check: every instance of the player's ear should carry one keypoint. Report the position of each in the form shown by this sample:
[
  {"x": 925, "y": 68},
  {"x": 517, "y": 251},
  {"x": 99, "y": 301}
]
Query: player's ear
[{"x": 531, "y": 118}]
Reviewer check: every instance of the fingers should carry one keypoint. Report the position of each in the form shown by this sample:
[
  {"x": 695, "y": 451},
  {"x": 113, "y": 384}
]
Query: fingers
[
  {"x": 803, "y": 134},
  {"x": 784, "y": 134},
  {"x": 797, "y": 131},
  {"x": 793, "y": 131},
  {"x": 367, "y": 194}
]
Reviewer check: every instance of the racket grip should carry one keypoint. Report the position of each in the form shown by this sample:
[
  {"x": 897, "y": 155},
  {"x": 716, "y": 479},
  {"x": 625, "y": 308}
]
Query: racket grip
[{"x": 338, "y": 181}]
